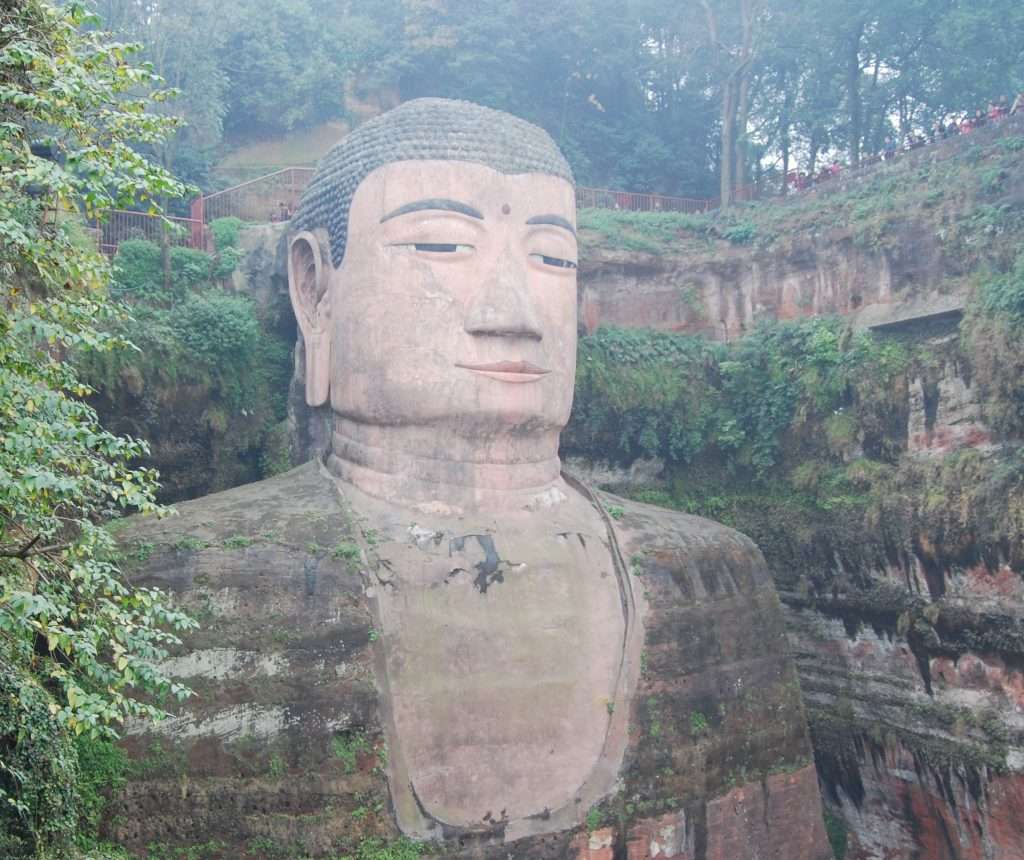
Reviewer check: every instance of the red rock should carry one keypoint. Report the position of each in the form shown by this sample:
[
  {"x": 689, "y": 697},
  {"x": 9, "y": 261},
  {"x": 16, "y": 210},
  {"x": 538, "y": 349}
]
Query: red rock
[{"x": 744, "y": 822}]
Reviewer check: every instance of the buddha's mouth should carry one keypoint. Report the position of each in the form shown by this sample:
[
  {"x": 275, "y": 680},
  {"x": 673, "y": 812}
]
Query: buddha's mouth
[{"x": 507, "y": 371}]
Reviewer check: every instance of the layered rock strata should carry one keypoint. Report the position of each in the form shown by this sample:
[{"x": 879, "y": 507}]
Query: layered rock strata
[{"x": 284, "y": 745}]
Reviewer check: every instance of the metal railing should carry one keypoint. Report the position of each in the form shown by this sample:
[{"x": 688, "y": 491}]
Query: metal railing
[
  {"x": 121, "y": 225},
  {"x": 266, "y": 198},
  {"x": 604, "y": 198}
]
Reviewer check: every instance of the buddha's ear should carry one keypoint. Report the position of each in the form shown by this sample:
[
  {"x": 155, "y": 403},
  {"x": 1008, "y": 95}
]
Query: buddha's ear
[{"x": 308, "y": 279}]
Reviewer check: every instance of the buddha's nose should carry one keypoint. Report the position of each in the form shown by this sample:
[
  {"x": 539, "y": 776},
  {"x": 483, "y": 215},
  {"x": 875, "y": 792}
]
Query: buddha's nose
[{"x": 503, "y": 307}]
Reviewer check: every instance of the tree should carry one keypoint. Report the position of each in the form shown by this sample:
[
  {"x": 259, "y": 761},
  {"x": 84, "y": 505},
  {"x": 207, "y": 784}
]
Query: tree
[
  {"x": 74, "y": 634},
  {"x": 732, "y": 28}
]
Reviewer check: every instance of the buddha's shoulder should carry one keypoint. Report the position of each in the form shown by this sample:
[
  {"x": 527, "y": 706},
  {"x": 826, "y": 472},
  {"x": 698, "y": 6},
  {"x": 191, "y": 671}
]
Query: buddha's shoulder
[
  {"x": 703, "y": 557},
  {"x": 298, "y": 509}
]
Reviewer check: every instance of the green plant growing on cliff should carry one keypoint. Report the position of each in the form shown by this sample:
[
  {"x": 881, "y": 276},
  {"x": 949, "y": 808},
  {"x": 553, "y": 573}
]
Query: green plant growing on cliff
[
  {"x": 682, "y": 398},
  {"x": 226, "y": 232},
  {"x": 348, "y": 747},
  {"x": 209, "y": 357},
  {"x": 380, "y": 849},
  {"x": 346, "y": 551},
  {"x": 835, "y": 828},
  {"x": 77, "y": 642},
  {"x": 1003, "y": 295},
  {"x": 698, "y": 724}
]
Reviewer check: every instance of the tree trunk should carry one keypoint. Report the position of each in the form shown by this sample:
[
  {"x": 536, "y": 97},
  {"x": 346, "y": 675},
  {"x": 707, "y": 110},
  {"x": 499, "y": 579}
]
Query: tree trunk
[
  {"x": 730, "y": 99},
  {"x": 784, "y": 125},
  {"x": 741, "y": 174},
  {"x": 742, "y": 114},
  {"x": 854, "y": 96}
]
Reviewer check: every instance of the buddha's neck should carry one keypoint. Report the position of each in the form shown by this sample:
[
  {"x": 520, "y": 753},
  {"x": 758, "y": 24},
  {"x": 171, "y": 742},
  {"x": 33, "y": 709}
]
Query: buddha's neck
[{"x": 435, "y": 469}]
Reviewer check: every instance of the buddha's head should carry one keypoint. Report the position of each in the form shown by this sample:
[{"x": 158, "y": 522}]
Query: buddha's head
[{"x": 432, "y": 270}]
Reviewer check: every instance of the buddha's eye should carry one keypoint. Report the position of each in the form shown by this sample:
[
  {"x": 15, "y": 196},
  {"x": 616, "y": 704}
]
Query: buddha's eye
[
  {"x": 556, "y": 262},
  {"x": 432, "y": 248}
]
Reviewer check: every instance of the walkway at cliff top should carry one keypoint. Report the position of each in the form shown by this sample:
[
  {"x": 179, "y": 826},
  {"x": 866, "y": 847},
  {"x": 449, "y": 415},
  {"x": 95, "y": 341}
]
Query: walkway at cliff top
[{"x": 274, "y": 195}]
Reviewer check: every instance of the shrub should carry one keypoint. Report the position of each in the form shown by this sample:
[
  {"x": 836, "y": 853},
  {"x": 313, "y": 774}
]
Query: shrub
[
  {"x": 190, "y": 268},
  {"x": 217, "y": 328},
  {"x": 227, "y": 262},
  {"x": 225, "y": 232},
  {"x": 740, "y": 233},
  {"x": 1004, "y": 295},
  {"x": 138, "y": 271},
  {"x": 680, "y": 397},
  {"x": 38, "y": 769},
  {"x": 102, "y": 766}
]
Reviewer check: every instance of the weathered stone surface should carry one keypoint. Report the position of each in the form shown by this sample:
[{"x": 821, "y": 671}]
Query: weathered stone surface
[
  {"x": 725, "y": 291},
  {"x": 945, "y": 413},
  {"x": 285, "y": 742}
]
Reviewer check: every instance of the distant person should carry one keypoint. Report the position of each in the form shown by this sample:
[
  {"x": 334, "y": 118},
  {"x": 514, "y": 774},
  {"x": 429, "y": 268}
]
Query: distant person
[
  {"x": 834, "y": 168},
  {"x": 979, "y": 118},
  {"x": 966, "y": 125},
  {"x": 284, "y": 212},
  {"x": 889, "y": 150}
]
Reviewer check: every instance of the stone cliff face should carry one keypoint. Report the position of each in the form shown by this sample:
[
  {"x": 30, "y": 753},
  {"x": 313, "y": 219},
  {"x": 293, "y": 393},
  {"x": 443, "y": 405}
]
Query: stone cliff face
[
  {"x": 726, "y": 291},
  {"x": 872, "y": 246},
  {"x": 908, "y": 630},
  {"x": 284, "y": 751},
  {"x": 911, "y": 656}
]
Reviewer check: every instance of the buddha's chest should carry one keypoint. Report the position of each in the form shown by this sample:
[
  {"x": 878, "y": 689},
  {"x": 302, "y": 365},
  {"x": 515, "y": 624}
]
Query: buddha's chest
[{"x": 502, "y": 656}]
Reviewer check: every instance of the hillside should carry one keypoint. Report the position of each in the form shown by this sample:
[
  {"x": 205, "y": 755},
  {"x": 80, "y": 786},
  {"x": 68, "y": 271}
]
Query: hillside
[
  {"x": 837, "y": 375},
  {"x": 870, "y": 442},
  {"x": 917, "y": 230}
]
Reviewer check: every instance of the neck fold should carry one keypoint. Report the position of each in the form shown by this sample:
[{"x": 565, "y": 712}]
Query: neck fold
[{"x": 436, "y": 469}]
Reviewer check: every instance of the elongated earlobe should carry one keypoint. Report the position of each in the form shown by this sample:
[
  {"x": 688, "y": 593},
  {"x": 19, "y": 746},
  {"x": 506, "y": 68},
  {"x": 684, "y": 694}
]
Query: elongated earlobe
[{"x": 308, "y": 277}]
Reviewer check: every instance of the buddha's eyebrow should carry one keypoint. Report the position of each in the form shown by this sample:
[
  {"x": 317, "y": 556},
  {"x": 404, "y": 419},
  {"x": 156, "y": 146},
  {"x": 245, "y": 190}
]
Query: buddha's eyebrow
[
  {"x": 441, "y": 203},
  {"x": 553, "y": 220}
]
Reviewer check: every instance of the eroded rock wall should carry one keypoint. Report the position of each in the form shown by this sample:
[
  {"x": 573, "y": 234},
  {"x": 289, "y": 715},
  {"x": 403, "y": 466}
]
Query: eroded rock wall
[{"x": 908, "y": 631}]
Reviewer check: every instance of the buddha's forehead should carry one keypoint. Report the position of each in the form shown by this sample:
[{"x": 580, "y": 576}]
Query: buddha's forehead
[{"x": 392, "y": 186}]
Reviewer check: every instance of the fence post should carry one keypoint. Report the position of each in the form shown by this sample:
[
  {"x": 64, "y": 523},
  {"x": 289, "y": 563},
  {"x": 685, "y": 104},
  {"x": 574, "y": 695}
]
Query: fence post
[{"x": 196, "y": 228}]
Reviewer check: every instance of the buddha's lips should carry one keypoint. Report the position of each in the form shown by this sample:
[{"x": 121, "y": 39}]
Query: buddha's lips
[{"x": 506, "y": 367}]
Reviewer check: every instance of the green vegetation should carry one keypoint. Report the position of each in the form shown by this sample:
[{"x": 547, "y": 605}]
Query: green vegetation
[
  {"x": 348, "y": 747},
  {"x": 1003, "y": 295},
  {"x": 835, "y": 827},
  {"x": 346, "y": 551},
  {"x": 237, "y": 542},
  {"x": 644, "y": 101},
  {"x": 685, "y": 399},
  {"x": 226, "y": 232},
  {"x": 381, "y": 849},
  {"x": 208, "y": 381},
  {"x": 78, "y": 643}
]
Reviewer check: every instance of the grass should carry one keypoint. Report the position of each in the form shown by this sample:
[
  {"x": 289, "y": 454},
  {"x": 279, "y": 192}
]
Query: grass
[
  {"x": 645, "y": 232},
  {"x": 298, "y": 147}
]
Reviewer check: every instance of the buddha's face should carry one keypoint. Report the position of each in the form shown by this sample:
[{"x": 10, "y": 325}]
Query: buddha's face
[{"x": 455, "y": 303}]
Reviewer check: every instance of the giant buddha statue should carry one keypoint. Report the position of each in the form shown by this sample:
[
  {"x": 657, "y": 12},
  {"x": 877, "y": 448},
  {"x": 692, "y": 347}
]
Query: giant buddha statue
[{"x": 432, "y": 632}]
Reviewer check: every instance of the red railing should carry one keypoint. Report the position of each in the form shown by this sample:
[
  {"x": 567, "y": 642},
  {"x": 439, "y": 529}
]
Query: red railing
[
  {"x": 603, "y": 198},
  {"x": 266, "y": 198},
  {"x": 275, "y": 196},
  {"x": 121, "y": 225}
]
